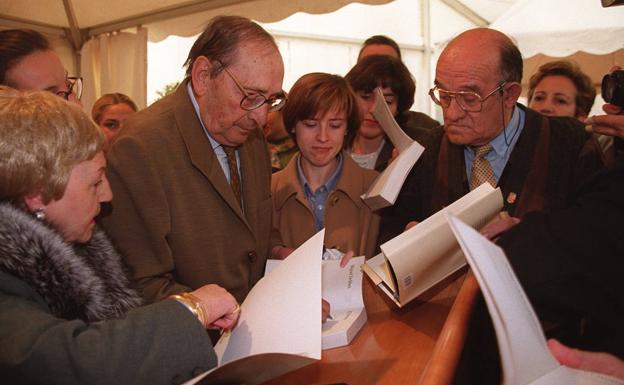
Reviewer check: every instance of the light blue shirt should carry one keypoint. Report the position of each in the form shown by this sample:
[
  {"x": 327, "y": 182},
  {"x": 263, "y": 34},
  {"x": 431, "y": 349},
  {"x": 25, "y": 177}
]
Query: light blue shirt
[
  {"x": 318, "y": 198},
  {"x": 216, "y": 146},
  {"x": 502, "y": 145}
]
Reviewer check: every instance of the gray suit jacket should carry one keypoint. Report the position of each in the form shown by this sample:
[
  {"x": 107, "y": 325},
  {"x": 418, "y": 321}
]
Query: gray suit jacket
[
  {"x": 174, "y": 215},
  {"x": 158, "y": 344}
]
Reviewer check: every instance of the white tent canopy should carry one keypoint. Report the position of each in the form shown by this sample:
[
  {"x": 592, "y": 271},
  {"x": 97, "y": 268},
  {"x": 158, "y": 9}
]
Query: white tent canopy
[
  {"x": 82, "y": 19},
  {"x": 578, "y": 30},
  {"x": 560, "y": 28},
  {"x": 105, "y": 41},
  {"x": 100, "y": 37}
]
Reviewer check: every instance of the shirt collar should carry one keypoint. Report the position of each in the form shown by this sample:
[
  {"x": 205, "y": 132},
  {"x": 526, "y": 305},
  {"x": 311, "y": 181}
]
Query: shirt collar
[
  {"x": 189, "y": 90},
  {"x": 331, "y": 182},
  {"x": 501, "y": 143}
]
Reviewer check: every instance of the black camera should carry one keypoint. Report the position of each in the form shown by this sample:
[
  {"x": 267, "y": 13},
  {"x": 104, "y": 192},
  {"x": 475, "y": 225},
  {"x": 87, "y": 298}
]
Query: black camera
[{"x": 613, "y": 88}]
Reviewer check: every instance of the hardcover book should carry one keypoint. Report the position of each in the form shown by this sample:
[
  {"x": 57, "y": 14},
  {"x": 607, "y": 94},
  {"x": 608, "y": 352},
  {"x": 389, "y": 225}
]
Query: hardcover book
[
  {"x": 417, "y": 259},
  {"x": 385, "y": 189}
]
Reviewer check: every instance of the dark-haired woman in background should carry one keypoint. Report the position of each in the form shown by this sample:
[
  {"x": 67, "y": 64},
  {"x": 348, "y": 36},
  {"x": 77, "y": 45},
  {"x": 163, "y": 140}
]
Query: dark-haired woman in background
[{"x": 368, "y": 145}]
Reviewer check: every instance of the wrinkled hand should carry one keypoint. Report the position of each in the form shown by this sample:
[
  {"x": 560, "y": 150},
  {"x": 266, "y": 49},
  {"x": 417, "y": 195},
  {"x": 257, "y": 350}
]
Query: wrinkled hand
[
  {"x": 499, "y": 225},
  {"x": 220, "y": 307},
  {"x": 603, "y": 363},
  {"x": 325, "y": 308}
]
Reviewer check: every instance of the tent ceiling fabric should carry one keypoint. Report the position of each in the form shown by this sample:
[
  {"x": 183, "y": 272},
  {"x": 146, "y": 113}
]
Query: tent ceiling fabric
[
  {"x": 560, "y": 28},
  {"x": 162, "y": 17}
]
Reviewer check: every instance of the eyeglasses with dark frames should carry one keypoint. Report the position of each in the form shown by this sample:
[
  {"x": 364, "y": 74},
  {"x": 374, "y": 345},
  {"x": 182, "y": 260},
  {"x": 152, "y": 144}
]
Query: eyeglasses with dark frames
[
  {"x": 467, "y": 100},
  {"x": 250, "y": 102},
  {"x": 74, "y": 86}
]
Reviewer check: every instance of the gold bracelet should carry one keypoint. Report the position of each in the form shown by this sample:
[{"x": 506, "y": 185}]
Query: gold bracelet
[
  {"x": 192, "y": 304},
  {"x": 202, "y": 313}
]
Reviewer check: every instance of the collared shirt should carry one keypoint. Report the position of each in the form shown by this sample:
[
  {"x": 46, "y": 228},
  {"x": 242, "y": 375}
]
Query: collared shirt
[
  {"x": 216, "y": 146},
  {"x": 318, "y": 198},
  {"x": 502, "y": 145}
]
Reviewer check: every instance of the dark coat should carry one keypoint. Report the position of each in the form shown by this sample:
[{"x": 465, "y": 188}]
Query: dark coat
[
  {"x": 69, "y": 316},
  {"x": 175, "y": 217},
  {"x": 551, "y": 159},
  {"x": 417, "y": 126},
  {"x": 570, "y": 262},
  {"x": 349, "y": 223}
]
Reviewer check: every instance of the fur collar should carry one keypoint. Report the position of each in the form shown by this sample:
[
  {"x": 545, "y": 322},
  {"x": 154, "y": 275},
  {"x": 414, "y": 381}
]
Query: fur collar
[{"x": 85, "y": 281}]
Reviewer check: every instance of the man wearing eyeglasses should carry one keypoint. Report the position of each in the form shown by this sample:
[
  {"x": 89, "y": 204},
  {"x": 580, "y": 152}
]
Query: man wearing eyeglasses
[
  {"x": 191, "y": 173},
  {"x": 27, "y": 62},
  {"x": 537, "y": 161}
]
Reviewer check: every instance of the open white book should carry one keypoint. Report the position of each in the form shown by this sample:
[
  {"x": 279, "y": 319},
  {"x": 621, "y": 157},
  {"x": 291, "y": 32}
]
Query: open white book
[
  {"x": 524, "y": 354},
  {"x": 417, "y": 259},
  {"x": 342, "y": 288},
  {"x": 384, "y": 191},
  {"x": 279, "y": 329}
]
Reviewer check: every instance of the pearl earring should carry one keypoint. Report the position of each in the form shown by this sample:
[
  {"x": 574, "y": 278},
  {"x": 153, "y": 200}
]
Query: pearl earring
[{"x": 40, "y": 214}]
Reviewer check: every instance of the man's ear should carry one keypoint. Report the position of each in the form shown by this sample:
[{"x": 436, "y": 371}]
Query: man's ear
[
  {"x": 34, "y": 201},
  {"x": 200, "y": 75},
  {"x": 511, "y": 93}
]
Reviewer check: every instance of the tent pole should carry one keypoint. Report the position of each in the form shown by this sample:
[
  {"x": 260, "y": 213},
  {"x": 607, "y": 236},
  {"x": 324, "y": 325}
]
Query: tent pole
[
  {"x": 425, "y": 12},
  {"x": 74, "y": 35}
]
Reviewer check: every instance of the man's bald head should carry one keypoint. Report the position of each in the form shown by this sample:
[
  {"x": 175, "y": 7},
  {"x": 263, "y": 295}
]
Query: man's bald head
[{"x": 490, "y": 44}]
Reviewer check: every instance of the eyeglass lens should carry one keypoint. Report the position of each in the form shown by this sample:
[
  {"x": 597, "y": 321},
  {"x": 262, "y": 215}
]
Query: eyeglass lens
[{"x": 468, "y": 101}]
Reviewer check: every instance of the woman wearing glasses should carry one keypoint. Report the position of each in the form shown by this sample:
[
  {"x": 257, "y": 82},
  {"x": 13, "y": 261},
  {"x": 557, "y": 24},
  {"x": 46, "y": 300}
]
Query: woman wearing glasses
[
  {"x": 27, "y": 62},
  {"x": 68, "y": 313},
  {"x": 321, "y": 186}
]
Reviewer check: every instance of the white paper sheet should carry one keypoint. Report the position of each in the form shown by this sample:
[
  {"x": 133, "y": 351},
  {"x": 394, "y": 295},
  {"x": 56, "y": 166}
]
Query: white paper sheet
[{"x": 280, "y": 323}]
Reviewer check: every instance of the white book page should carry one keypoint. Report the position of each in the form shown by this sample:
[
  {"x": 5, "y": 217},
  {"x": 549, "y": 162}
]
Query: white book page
[
  {"x": 379, "y": 271},
  {"x": 400, "y": 140},
  {"x": 282, "y": 313},
  {"x": 525, "y": 356},
  {"x": 385, "y": 189},
  {"x": 279, "y": 328},
  {"x": 342, "y": 286},
  {"x": 570, "y": 376},
  {"x": 428, "y": 252}
]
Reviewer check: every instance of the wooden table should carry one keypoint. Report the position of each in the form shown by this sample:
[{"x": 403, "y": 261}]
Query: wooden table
[{"x": 393, "y": 347}]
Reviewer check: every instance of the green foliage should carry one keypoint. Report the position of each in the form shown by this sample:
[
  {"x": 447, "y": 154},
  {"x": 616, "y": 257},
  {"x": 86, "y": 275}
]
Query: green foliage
[{"x": 167, "y": 89}]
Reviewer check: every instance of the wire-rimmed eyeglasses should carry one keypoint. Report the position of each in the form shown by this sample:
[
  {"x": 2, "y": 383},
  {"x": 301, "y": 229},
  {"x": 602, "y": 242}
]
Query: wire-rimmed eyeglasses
[
  {"x": 252, "y": 101},
  {"x": 467, "y": 100},
  {"x": 74, "y": 86}
]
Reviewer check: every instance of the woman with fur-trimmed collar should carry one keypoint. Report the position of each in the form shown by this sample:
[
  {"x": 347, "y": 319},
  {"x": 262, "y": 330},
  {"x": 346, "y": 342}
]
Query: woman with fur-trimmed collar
[{"x": 68, "y": 314}]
